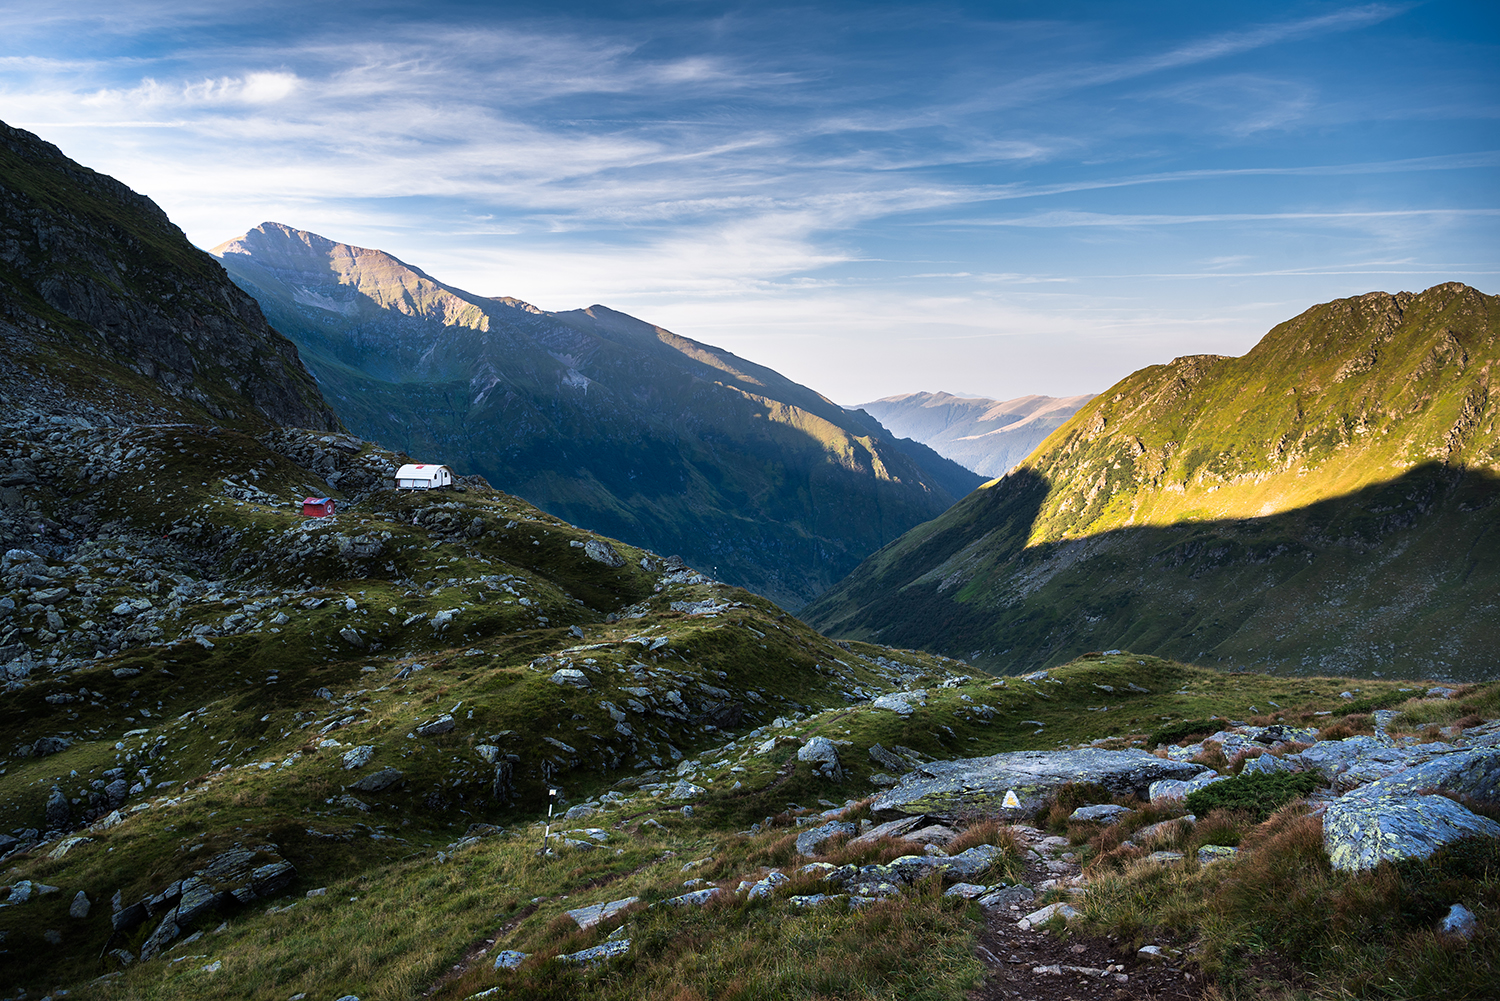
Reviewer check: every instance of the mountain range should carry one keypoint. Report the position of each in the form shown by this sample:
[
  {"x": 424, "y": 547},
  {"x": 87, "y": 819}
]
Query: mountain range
[
  {"x": 442, "y": 744},
  {"x": 987, "y": 436},
  {"x": 600, "y": 418},
  {"x": 1330, "y": 501}
]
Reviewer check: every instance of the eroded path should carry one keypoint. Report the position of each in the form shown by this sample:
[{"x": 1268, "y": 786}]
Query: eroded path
[{"x": 1037, "y": 966}]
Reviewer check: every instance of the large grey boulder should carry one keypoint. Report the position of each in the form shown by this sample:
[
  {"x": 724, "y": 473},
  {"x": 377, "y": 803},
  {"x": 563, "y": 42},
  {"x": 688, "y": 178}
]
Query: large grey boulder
[
  {"x": 1357, "y": 761},
  {"x": 812, "y": 839},
  {"x": 949, "y": 789},
  {"x": 1360, "y": 831},
  {"x": 1176, "y": 790},
  {"x": 897, "y": 828},
  {"x": 587, "y": 917},
  {"x": 823, "y": 754},
  {"x": 1473, "y": 772}
]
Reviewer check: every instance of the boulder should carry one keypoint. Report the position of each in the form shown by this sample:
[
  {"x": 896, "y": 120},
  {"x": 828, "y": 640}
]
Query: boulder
[
  {"x": 603, "y": 552},
  {"x": 823, "y": 754},
  {"x": 896, "y": 703},
  {"x": 377, "y": 781},
  {"x": 1459, "y": 921},
  {"x": 1067, "y": 912},
  {"x": 358, "y": 757},
  {"x": 898, "y": 828},
  {"x": 587, "y": 917},
  {"x": 1357, "y": 761},
  {"x": 599, "y": 953},
  {"x": 571, "y": 677},
  {"x": 509, "y": 959},
  {"x": 441, "y": 725},
  {"x": 1176, "y": 790},
  {"x": 811, "y": 840},
  {"x": 686, "y": 790},
  {"x": 1008, "y": 896},
  {"x": 1474, "y": 772},
  {"x": 1359, "y": 831},
  {"x": 949, "y": 789},
  {"x": 57, "y": 810},
  {"x": 887, "y": 759},
  {"x": 1104, "y": 813}
]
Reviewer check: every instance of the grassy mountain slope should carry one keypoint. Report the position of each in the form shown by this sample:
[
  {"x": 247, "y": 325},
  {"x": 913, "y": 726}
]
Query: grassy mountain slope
[
  {"x": 598, "y": 417},
  {"x": 987, "y": 436},
  {"x": 1329, "y": 501},
  {"x": 108, "y": 304},
  {"x": 249, "y": 754}
]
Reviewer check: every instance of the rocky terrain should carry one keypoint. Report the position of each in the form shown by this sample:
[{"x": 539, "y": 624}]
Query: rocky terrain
[
  {"x": 443, "y": 744},
  {"x": 988, "y": 436},
  {"x": 1326, "y": 503},
  {"x": 108, "y": 306},
  {"x": 604, "y": 420}
]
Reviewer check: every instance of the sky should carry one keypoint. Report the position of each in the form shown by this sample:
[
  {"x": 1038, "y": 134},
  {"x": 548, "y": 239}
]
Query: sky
[{"x": 873, "y": 198}]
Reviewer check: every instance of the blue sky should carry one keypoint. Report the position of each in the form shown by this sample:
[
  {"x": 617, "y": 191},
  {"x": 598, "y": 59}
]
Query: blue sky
[{"x": 873, "y": 198}]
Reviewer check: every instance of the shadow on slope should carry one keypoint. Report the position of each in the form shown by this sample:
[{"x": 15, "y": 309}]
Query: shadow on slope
[{"x": 1401, "y": 577}]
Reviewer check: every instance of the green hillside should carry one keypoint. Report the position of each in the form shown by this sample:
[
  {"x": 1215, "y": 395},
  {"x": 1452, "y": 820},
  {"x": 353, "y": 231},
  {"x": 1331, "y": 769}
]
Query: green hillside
[
  {"x": 1327, "y": 502},
  {"x": 598, "y": 417}
]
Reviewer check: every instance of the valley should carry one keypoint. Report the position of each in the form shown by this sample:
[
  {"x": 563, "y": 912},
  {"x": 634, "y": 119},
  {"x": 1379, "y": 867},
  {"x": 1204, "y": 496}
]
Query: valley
[
  {"x": 599, "y": 418},
  {"x": 1325, "y": 503},
  {"x": 450, "y": 744},
  {"x": 990, "y": 437}
]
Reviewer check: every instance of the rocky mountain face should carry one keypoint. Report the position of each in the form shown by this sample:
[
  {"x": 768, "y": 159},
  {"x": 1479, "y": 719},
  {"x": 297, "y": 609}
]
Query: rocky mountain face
[
  {"x": 602, "y": 419},
  {"x": 107, "y": 306},
  {"x": 988, "y": 436},
  {"x": 1329, "y": 501}
]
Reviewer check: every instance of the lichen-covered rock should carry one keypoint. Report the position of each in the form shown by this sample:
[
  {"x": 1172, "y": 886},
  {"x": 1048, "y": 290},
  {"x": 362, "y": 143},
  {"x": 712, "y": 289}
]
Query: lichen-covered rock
[
  {"x": 1359, "y": 760},
  {"x": 948, "y": 789},
  {"x": 1474, "y": 772},
  {"x": 1361, "y": 831},
  {"x": 599, "y": 953}
]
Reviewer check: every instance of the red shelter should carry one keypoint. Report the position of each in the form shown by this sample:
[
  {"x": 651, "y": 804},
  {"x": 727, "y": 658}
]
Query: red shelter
[{"x": 317, "y": 507}]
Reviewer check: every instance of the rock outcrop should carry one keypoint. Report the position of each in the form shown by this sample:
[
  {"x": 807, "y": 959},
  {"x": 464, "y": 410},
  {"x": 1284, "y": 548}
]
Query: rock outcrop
[{"x": 951, "y": 789}]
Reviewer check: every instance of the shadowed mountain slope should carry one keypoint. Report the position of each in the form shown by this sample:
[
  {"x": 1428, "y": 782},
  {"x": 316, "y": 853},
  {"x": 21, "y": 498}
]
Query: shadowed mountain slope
[
  {"x": 598, "y": 417},
  {"x": 1327, "y": 501},
  {"x": 988, "y": 436},
  {"x": 107, "y": 305}
]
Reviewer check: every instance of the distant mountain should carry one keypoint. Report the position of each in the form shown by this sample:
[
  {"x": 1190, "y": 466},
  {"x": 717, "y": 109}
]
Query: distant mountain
[
  {"x": 598, "y": 417},
  {"x": 1329, "y": 502},
  {"x": 106, "y": 307},
  {"x": 988, "y": 436}
]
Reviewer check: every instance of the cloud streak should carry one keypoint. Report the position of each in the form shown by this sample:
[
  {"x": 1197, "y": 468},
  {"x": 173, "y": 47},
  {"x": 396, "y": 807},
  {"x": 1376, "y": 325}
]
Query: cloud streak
[{"x": 701, "y": 162}]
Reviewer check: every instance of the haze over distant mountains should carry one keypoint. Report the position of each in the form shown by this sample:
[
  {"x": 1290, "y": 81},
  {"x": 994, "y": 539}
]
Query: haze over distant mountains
[
  {"x": 598, "y": 417},
  {"x": 1327, "y": 503},
  {"x": 987, "y": 436}
]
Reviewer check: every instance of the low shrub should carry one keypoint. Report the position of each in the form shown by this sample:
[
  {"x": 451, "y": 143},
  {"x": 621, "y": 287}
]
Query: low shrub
[
  {"x": 1370, "y": 703},
  {"x": 1257, "y": 794},
  {"x": 1176, "y": 733}
]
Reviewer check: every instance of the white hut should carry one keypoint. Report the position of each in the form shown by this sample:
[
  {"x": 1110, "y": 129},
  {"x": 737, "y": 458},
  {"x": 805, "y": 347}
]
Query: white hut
[{"x": 423, "y": 476}]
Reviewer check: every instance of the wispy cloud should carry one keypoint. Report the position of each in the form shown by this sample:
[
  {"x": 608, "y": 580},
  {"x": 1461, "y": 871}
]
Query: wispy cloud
[{"x": 732, "y": 169}]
